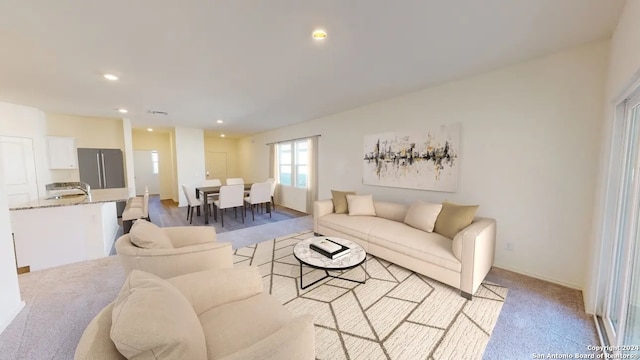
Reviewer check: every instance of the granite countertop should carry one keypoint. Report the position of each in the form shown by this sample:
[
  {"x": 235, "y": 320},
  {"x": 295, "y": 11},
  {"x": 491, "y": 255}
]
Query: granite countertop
[{"x": 95, "y": 196}]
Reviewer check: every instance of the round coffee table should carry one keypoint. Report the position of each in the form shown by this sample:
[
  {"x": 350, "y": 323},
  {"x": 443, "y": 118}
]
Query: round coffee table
[{"x": 308, "y": 257}]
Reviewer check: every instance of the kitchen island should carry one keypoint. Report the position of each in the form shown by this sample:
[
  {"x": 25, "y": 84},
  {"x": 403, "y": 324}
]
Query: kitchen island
[{"x": 53, "y": 231}]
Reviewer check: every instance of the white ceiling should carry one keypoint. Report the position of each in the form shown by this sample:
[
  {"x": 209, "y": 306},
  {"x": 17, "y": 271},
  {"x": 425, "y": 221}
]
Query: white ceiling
[{"x": 254, "y": 63}]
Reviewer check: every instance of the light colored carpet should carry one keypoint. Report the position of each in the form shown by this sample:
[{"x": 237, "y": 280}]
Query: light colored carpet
[{"x": 397, "y": 314}]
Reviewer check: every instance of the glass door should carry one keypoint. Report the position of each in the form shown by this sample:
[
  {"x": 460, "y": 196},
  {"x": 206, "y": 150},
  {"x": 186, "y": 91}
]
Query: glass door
[{"x": 621, "y": 314}]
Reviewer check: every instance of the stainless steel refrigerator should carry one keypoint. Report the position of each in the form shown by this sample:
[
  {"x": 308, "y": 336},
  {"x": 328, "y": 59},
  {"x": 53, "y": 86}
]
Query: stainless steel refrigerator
[{"x": 102, "y": 169}]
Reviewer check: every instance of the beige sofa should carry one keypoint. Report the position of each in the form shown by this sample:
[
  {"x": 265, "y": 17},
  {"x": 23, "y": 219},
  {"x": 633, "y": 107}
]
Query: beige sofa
[
  {"x": 172, "y": 251},
  {"x": 461, "y": 262},
  {"x": 213, "y": 314}
]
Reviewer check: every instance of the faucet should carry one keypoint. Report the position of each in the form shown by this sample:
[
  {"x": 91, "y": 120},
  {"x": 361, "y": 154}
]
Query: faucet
[{"x": 86, "y": 188}]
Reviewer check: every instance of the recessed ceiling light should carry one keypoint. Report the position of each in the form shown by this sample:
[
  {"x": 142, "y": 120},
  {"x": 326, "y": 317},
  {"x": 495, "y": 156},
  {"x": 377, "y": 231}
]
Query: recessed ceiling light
[
  {"x": 219, "y": 121},
  {"x": 110, "y": 77},
  {"x": 149, "y": 129},
  {"x": 319, "y": 34},
  {"x": 123, "y": 111},
  {"x": 221, "y": 135}
]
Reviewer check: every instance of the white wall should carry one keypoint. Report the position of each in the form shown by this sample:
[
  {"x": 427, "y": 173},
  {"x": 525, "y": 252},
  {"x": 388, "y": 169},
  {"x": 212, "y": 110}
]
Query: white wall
[
  {"x": 527, "y": 153},
  {"x": 89, "y": 132},
  {"x": 624, "y": 68},
  {"x": 26, "y": 122},
  {"x": 128, "y": 157},
  {"x": 214, "y": 143},
  {"x": 189, "y": 159},
  {"x": 10, "y": 301}
]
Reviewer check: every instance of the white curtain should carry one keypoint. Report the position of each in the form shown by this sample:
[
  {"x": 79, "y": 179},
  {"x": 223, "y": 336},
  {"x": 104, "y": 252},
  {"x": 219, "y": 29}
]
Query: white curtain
[
  {"x": 273, "y": 167},
  {"x": 272, "y": 161},
  {"x": 312, "y": 187}
]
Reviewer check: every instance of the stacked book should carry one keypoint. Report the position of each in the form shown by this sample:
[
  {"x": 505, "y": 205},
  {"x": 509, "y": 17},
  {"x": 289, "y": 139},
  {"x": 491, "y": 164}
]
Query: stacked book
[{"x": 329, "y": 248}]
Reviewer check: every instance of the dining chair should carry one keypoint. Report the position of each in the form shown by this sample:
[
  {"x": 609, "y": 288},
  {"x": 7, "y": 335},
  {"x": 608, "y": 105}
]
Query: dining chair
[
  {"x": 273, "y": 183},
  {"x": 235, "y": 181},
  {"x": 212, "y": 182},
  {"x": 260, "y": 193},
  {"x": 230, "y": 196},
  {"x": 192, "y": 202}
]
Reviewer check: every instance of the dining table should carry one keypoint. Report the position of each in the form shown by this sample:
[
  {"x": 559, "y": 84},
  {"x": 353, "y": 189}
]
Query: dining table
[{"x": 207, "y": 190}]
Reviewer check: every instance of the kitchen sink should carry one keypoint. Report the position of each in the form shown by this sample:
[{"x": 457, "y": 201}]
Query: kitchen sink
[{"x": 65, "y": 196}]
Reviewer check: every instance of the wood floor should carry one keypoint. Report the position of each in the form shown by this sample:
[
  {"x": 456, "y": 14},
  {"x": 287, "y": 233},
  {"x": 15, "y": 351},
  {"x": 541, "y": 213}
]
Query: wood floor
[{"x": 166, "y": 213}]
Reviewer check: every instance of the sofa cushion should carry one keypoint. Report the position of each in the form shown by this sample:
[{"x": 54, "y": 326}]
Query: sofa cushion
[
  {"x": 361, "y": 205},
  {"x": 390, "y": 210},
  {"x": 404, "y": 239},
  {"x": 237, "y": 325},
  {"x": 356, "y": 226},
  {"x": 339, "y": 198},
  {"x": 422, "y": 215},
  {"x": 453, "y": 218},
  {"x": 147, "y": 235},
  {"x": 153, "y": 320}
]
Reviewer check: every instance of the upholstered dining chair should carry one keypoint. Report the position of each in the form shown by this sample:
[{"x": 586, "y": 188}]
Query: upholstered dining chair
[
  {"x": 192, "y": 202},
  {"x": 230, "y": 196},
  {"x": 235, "y": 181},
  {"x": 212, "y": 182},
  {"x": 260, "y": 193},
  {"x": 136, "y": 208},
  {"x": 273, "y": 183}
]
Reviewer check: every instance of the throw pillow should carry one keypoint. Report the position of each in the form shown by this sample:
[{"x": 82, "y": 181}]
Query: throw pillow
[
  {"x": 422, "y": 215},
  {"x": 151, "y": 317},
  {"x": 148, "y": 235},
  {"x": 453, "y": 218},
  {"x": 340, "y": 200},
  {"x": 361, "y": 205}
]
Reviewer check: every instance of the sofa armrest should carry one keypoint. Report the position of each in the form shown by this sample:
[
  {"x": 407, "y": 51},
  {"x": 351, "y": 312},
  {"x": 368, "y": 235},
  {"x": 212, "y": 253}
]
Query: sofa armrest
[
  {"x": 211, "y": 288},
  {"x": 320, "y": 209},
  {"x": 181, "y": 236},
  {"x": 294, "y": 341},
  {"x": 95, "y": 342},
  {"x": 475, "y": 246}
]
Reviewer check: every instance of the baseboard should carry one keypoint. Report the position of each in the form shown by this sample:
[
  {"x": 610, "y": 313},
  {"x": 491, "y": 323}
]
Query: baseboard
[
  {"x": 540, "y": 277},
  {"x": 13, "y": 315}
]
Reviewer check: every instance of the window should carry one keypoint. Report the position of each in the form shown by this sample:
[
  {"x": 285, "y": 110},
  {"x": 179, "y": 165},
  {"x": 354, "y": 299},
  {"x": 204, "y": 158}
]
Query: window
[
  {"x": 293, "y": 163},
  {"x": 154, "y": 161},
  {"x": 302, "y": 162}
]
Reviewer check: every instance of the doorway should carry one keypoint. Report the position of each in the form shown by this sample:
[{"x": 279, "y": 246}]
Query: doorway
[
  {"x": 216, "y": 165},
  {"x": 146, "y": 171},
  {"x": 19, "y": 169}
]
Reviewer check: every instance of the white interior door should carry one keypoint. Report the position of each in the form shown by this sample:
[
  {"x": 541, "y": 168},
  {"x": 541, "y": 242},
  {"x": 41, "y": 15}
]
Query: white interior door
[
  {"x": 145, "y": 169},
  {"x": 216, "y": 165},
  {"x": 19, "y": 169}
]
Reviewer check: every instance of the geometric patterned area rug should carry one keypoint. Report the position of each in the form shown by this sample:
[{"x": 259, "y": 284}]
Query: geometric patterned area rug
[{"x": 396, "y": 314}]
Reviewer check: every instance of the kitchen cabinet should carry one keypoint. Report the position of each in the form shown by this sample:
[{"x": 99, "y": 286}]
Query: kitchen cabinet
[{"x": 62, "y": 152}]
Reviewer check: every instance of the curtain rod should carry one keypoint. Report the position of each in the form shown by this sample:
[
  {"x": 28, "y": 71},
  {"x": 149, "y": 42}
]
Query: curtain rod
[{"x": 300, "y": 138}]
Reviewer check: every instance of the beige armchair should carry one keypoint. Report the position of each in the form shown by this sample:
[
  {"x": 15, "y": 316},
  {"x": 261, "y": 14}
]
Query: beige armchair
[
  {"x": 172, "y": 251},
  {"x": 213, "y": 314}
]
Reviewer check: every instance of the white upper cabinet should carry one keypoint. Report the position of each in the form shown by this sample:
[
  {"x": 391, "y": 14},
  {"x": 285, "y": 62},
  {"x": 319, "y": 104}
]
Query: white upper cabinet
[{"x": 62, "y": 152}]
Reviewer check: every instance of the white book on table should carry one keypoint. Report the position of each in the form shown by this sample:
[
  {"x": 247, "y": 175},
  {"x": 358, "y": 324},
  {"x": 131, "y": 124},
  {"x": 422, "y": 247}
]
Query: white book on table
[
  {"x": 327, "y": 245},
  {"x": 341, "y": 254}
]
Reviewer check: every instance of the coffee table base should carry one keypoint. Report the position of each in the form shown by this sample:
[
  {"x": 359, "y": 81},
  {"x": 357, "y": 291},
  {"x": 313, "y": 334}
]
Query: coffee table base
[{"x": 327, "y": 275}]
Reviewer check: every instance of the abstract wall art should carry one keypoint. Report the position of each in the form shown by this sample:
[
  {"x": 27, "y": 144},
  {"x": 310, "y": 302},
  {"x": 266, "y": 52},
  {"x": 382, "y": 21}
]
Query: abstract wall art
[{"x": 428, "y": 160}]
